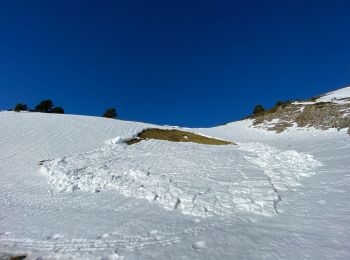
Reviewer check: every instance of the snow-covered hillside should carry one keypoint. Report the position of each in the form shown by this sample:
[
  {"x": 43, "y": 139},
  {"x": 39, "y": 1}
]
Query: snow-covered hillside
[
  {"x": 337, "y": 96},
  {"x": 70, "y": 188}
]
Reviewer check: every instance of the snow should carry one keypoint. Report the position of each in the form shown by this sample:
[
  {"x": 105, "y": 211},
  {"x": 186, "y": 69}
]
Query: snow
[
  {"x": 116, "y": 140},
  {"x": 199, "y": 245},
  {"x": 70, "y": 188},
  {"x": 303, "y": 103},
  {"x": 195, "y": 179},
  {"x": 340, "y": 96}
]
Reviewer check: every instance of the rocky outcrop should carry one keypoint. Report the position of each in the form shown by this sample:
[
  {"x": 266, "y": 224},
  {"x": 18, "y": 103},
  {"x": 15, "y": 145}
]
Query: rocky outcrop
[{"x": 320, "y": 115}]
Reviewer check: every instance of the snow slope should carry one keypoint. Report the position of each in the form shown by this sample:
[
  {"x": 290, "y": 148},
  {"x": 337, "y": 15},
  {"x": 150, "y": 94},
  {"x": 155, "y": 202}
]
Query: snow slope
[
  {"x": 340, "y": 96},
  {"x": 71, "y": 188}
]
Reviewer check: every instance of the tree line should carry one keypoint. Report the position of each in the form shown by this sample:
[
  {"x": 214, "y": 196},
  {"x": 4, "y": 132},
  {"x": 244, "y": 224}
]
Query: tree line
[{"x": 47, "y": 106}]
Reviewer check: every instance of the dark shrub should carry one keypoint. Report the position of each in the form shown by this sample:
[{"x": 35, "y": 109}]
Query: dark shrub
[
  {"x": 21, "y": 107},
  {"x": 44, "y": 106},
  {"x": 258, "y": 109},
  {"x": 57, "y": 110},
  {"x": 279, "y": 103},
  {"x": 287, "y": 103},
  {"x": 110, "y": 113}
]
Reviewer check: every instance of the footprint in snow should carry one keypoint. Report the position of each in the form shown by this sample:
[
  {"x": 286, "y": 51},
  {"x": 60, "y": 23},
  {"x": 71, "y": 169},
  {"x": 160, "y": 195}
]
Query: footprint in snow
[
  {"x": 113, "y": 257},
  {"x": 196, "y": 220},
  {"x": 153, "y": 232},
  {"x": 199, "y": 245},
  {"x": 56, "y": 236},
  {"x": 105, "y": 235},
  {"x": 158, "y": 238}
]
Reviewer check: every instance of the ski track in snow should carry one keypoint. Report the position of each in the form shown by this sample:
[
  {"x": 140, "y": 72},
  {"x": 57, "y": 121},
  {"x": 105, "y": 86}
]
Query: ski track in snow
[
  {"x": 113, "y": 243},
  {"x": 196, "y": 179}
]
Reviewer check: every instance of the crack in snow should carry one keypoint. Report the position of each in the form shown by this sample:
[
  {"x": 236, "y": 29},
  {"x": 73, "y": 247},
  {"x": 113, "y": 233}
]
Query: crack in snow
[{"x": 279, "y": 198}]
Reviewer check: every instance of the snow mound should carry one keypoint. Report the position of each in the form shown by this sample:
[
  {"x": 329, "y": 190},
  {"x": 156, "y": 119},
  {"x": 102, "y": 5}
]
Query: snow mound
[
  {"x": 116, "y": 140},
  {"x": 195, "y": 179}
]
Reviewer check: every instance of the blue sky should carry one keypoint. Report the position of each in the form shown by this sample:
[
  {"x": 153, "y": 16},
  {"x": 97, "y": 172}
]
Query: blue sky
[{"x": 188, "y": 63}]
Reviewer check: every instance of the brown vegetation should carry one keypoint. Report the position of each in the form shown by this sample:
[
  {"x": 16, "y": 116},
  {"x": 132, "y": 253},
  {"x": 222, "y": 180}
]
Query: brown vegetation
[
  {"x": 321, "y": 115},
  {"x": 174, "y": 135}
]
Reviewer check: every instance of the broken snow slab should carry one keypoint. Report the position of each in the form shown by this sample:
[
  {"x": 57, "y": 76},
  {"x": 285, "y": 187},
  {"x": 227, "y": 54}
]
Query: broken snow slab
[{"x": 193, "y": 179}]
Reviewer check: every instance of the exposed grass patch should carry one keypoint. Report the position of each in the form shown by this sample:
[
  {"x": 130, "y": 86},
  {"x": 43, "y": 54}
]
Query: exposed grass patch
[{"x": 175, "y": 135}]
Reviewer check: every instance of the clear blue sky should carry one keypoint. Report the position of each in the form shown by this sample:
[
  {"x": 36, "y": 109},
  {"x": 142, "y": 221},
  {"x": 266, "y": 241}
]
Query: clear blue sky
[{"x": 188, "y": 63}]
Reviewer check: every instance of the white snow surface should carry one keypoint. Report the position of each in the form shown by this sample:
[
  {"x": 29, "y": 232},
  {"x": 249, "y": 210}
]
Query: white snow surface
[
  {"x": 338, "y": 96},
  {"x": 70, "y": 188}
]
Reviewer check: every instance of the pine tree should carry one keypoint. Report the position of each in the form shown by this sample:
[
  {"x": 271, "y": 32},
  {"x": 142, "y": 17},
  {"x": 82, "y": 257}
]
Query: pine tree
[
  {"x": 110, "y": 113},
  {"x": 21, "y": 107},
  {"x": 44, "y": 106},
  {"x": 279, "y": 103},
  {"x": 258, "y": 109},
  {"x": 57, "y": 110}
]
